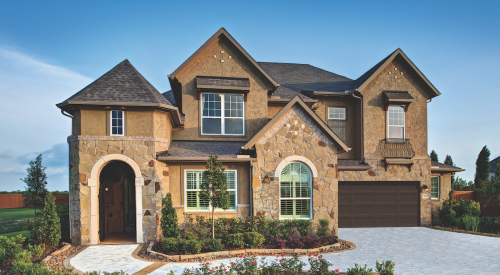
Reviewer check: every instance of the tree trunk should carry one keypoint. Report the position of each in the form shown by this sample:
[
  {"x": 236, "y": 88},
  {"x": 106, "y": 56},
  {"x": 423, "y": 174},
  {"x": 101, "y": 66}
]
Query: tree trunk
[
  {"x": 35, "y": 221},
  {"x": 213, "y": 231}
]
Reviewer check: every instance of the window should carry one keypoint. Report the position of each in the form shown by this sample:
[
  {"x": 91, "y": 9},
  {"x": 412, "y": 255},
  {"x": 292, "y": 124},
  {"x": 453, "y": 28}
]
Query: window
[
  {"x": 337, "y": 121},
  {"x": 396, "y": 122},
  {"x": 295, "y": 191},
  {"x": 117, "y": 123},
  {"x": 194, "y": 178},
  {"x": 222, "y": 119},
  {"x": 435, "y": 188}
]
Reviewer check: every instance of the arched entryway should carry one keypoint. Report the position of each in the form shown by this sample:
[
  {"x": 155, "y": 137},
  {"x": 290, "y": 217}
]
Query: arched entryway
[
  {"x": 116, "y": 200},
  {"x": 117, "y": 203}
]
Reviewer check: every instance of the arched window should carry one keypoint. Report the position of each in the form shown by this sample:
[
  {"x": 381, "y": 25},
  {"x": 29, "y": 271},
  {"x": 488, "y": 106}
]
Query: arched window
[{"x": 295, "y": 191}]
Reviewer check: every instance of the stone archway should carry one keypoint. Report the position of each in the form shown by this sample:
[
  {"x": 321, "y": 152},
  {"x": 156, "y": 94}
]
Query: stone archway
[
  {"x": 290, "y": 159},
  {"x": 94, "y": 191}
]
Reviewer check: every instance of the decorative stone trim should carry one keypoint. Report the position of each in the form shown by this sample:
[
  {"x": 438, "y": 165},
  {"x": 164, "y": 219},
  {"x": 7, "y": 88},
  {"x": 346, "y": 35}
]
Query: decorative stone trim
[
  {"x": 114, "y": 138},
  {"x": 287, "y": 160}
]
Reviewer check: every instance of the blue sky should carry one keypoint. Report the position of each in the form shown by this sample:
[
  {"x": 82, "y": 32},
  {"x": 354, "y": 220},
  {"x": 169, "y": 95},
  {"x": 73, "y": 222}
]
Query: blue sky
[{"x": 50, "y": 50}]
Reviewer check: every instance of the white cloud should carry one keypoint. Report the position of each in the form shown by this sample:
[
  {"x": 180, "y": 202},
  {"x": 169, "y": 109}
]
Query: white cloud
[{"x": 31, "y": 123}]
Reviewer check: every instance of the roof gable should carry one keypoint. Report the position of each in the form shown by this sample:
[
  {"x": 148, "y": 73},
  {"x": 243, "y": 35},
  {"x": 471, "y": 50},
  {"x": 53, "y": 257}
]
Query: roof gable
[
  {"x": 297, "y": 101},
  {"x": 367, "y": 77},
  {"x": 124, "y": 84},
  {"x": 223, "y": 32}
]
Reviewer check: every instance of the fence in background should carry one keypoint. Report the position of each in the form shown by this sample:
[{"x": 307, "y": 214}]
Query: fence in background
[
  {"x": 16, "y": 200},
  {"x": 492, "y": 210}
]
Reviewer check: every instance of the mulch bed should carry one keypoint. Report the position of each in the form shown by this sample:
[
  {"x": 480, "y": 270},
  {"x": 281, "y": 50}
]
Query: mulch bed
[
  {"x": 456, "y": 230},
  {"x": 143, "y": 253},
  {"x": 57, "y": 262}
]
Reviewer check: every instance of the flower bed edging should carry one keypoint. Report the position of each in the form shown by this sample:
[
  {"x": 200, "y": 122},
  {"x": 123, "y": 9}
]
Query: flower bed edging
[
  {"x": 235, "y": 253},
  {"x": 57, "y": 252},
  {"x": 456, "y": 230}
]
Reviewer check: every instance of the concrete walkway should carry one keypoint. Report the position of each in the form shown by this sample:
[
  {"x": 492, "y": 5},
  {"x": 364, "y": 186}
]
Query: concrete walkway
[{"x": 415, "y": 250}]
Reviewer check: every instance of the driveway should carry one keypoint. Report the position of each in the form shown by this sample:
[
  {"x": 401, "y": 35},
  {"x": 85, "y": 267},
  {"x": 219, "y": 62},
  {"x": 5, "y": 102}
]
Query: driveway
[{"x": 415, "y": 250}]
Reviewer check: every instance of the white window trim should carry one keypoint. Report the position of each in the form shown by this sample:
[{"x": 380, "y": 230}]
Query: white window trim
[
  {"x": 404, "y": 123},
  {"x": 111, "y": 123},
  {"x": 343, "y": 108},
  {"x": 439, "y": 188},
  {"x": 210, "y": 206},
  {"x": 222, "y": 117},
  {"x": 310, "y": 198}
]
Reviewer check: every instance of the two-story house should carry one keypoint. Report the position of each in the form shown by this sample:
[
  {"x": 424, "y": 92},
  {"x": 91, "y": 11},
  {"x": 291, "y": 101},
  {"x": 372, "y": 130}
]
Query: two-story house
[{"x": 296, "y": 142}]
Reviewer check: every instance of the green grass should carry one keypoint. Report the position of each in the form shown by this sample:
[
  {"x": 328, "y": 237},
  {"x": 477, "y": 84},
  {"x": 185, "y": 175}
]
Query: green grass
[{"x": 11, "y": 220}]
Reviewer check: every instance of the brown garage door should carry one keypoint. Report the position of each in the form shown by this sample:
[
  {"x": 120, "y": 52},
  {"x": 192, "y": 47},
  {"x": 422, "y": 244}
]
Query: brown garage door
[{"x": 379, "y": 203}]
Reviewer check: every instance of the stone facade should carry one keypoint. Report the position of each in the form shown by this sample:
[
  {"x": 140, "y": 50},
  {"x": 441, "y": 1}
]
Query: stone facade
[
  {"x": 420, "y": 171},
  {"x": 295, "y": 137},
  {"x": 86, "y": 151}
]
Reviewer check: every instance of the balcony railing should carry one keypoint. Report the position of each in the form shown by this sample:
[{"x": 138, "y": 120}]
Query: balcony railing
[{"x": 396, "y": 149}]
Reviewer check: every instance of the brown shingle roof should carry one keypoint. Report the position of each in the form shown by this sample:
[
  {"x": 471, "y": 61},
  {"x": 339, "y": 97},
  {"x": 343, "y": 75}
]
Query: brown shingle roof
[
  {"x": 201, "y": 149},
  {"x": 436, "y": 166}
]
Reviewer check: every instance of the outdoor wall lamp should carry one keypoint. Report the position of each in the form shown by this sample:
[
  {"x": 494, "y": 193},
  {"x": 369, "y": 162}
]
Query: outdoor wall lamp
[
  {"x": 106, "y": 189},
  {"x": 424, "y": 188}
]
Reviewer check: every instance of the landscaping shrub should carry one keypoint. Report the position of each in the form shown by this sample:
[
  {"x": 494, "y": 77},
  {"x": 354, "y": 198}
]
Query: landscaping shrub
[
  {"x": 284, "y": 266},
  {"x": 50, "y": 225},
  {"x": 169, "y": 222},
  {"x": 278, "y": 243},
  {"x": 295, "y": 242},
  {"x": 3, "y": 255},
  {"x": 236, "y": 240},
  {"x": 359, "y": 270},
  {"x": 213, "y": 245},
  {"x": 272, "y": 229},
  {"x": 468, "y": 222},
  {"x": 319, "y": 266},
  {"x": 189, "y": 235},
  {"x": 63, "y": 213},
  {"x": 287, "y": 228},
  {"x": 463, "y": 214},
  {"x": 489, "y": 224},
  {"x": 12, "y": 246},
  {"x": 253, "y": 239},
  {"x": 385, "y": 267},
  {"x": 190, "y": 246},
  {"x": 171, "y": 245},
  {"x": 325, "y": 229},
  {"x": 312, "y": 242}
]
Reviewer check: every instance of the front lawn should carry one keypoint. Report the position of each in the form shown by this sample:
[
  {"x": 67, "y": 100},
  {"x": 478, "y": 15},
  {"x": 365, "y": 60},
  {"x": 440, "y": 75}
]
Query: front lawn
[{"x": 13, "y": 221}]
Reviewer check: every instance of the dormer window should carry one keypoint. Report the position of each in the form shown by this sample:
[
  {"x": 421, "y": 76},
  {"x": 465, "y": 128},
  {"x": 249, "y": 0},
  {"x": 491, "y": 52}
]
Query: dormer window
[
  {"x": 117, "y": 122},
  {"x": 222, "y": 114}
]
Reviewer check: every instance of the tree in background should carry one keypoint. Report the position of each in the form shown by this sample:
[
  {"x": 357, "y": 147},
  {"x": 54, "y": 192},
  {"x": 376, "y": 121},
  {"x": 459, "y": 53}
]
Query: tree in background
[
  {"x": 434, "y": 156},
  {"x": 214, "y": 186},
  {"x": 169, "y": 222},
  {"x": 482, "y": 168},
  {"x": 492, "y": 193},
  {"x": 449, "y": 161},
  {"x": 50, "y": 224},
  {"x": 36, "y": 181},
  {"x": 461, "y": 185}
]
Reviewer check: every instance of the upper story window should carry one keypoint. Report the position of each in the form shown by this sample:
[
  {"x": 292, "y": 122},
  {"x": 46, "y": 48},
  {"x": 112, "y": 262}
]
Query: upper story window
[
  {"x": 117, "y": 123},
  {"x": 435, "y": 188},
  {"x": 396, "y": 122},
  {"x": 337, "y": 121},
  {"x": 222, "y": 114}
]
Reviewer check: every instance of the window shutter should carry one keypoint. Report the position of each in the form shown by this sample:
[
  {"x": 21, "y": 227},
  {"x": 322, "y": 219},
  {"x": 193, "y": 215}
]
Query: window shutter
[{"x": 338, "y": 127}]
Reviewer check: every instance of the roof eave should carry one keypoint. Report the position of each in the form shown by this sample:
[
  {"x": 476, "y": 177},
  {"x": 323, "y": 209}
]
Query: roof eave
[
  {"x": 203, "y": 159},
  {"x": 437, "y": 169},
  {"x": 354, "y": 168}
]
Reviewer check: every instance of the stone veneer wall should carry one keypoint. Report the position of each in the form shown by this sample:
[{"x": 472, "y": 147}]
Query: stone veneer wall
[
  {"x": 420, "y": 171},
  {"x": 295, "y": 134},
  {"x": 85, "y": 151}
]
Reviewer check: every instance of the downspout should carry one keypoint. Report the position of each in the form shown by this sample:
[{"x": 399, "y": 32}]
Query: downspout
[
  {"x": 362, "y": 132},
  {"x": 66, "y": 114},
  {"x": 429, "y": 100},
  {"x": 251, "y": 188}
]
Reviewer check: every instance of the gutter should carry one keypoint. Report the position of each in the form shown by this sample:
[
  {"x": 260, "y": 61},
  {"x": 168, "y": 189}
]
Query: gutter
[
  {"x": 271, "y": 100},
  {"x": 203, "y": 159},
  {"x": 66, "y": 114},
  {"x": 437, "y": 169},
  {"x": 354, "y": 168}
]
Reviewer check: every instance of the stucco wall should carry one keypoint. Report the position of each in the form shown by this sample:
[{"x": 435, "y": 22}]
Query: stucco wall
[
  {"x": 93, "y": 122},
  {"x": 177, "y": 187},
  {"x": 353, "y": 116},
  {"x": 375, "y": 115},
  {"x": 444, "y": 192},
  {"x": 236, "y": 66},
  {"x": 295, "y": 137},
  {"x": 139, "y": 123}
]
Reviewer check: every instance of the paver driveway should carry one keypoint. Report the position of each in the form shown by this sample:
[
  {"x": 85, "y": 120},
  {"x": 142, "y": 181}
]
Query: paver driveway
[{"x": 415, "y": 250}]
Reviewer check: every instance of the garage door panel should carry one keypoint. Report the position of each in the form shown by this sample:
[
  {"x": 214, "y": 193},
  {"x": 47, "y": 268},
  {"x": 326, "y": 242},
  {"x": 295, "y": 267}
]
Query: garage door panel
[{"x": 379, "y": 204}]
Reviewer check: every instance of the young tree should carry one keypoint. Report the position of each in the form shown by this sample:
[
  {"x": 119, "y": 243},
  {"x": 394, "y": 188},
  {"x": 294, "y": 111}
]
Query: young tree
[
  {"x": 169, "y": 222},
  {"x": 482, "y": 168},
  {"x": 50, "y": 224},
  {"x": 449, "y": 161},
  {"x": 36, "y": 180},
  {"x": 492, "y": 193},
  {"x": 214, "y": 186},
  {"x": 434, "y": 156}
]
